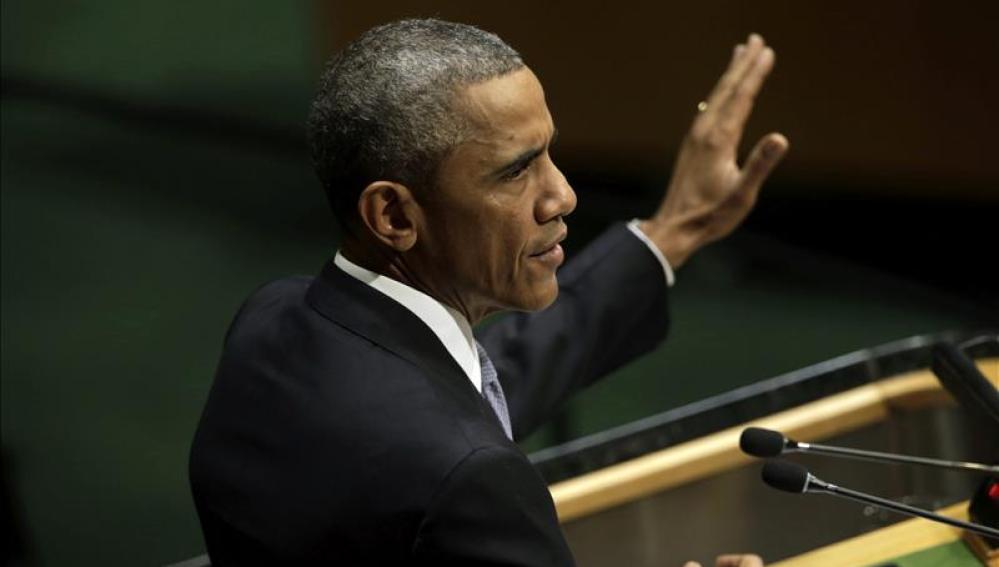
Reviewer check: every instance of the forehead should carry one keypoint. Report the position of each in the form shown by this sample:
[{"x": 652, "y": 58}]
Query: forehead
[{"x": 506, "y": 114}]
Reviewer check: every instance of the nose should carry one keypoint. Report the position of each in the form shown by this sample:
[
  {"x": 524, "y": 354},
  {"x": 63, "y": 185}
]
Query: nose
[{"x": 557, "y": 198}]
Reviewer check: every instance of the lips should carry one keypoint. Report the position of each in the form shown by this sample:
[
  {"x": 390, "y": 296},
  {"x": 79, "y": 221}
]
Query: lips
[
  {"x": 548, "y": 248},
  {"x": 551, "y": 255}
]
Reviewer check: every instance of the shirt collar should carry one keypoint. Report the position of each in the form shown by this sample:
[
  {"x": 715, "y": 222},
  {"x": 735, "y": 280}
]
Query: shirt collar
[{"x": 450, "y": 326}]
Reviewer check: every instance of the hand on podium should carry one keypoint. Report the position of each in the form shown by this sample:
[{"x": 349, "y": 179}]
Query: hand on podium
[{"x": 747, "y": 560}]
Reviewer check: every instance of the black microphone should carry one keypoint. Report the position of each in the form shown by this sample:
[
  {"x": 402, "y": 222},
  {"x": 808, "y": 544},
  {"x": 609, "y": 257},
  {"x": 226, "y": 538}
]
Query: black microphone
[
  {"x": 791, "y": 477},
  {"x": 768, "y": 443}
]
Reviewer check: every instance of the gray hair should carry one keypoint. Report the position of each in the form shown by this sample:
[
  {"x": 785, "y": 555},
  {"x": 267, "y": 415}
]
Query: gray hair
[{"x": 384, "y": 109}]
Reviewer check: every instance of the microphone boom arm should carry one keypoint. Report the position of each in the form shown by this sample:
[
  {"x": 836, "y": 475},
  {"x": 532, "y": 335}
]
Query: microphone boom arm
[
  {"x": 816, "y": 485},
  {"x": 878, "y": 456}
]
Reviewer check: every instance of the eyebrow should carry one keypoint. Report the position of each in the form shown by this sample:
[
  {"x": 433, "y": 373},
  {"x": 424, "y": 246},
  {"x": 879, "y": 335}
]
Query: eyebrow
[{"x": 526, "y": 157}]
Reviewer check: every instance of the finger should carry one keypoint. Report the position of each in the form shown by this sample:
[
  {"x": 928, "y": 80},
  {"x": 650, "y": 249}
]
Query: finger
[
  {"x": 742, "y": 60},
  {"x": 734, "y": 111},
  {"x": 749, "y": 61},
  {"x": 715, "y": 125},
  {"x": 762, "y": 160},
  {"x": 737, "y": 53},
  {"x": 739, "y": 561},
  {"x": 691, "y": 564},
  {"x": 730, "y": 74}
]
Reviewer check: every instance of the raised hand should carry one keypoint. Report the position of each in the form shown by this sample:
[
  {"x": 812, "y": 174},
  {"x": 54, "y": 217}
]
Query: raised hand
[{"x": 709, "y": 194}]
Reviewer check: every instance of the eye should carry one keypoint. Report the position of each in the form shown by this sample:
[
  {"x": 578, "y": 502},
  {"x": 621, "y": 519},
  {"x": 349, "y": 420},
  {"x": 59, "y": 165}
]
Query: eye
[{"x": 517, "y": 172}]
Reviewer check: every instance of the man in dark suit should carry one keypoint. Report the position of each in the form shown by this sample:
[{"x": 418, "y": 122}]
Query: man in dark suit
[{"x": 355, "y": 418}]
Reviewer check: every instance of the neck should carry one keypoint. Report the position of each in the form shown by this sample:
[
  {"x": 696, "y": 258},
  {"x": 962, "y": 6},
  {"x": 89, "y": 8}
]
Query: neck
[{"x": 403, "y": 269}]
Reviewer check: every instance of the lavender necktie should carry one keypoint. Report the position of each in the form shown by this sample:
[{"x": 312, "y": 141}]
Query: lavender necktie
[{"x": 492, "y": 391}]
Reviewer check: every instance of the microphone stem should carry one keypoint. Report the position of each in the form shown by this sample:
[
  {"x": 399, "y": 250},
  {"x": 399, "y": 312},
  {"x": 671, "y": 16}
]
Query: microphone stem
[
  {"x": 876, "y": 456},
  {"x": 904, "y": 509}
]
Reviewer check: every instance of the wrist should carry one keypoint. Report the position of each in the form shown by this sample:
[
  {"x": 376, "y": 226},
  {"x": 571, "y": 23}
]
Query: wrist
[{"x": 676, "y": 243}]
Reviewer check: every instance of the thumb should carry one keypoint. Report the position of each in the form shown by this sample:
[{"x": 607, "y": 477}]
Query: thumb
[
  {"x": 691, "y": 564},
  {"x": 762, "y": 160}
]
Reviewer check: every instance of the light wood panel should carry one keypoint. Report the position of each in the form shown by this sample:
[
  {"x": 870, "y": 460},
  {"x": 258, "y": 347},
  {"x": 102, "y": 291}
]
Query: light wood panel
[
  {"x": 712, "y": 454},
  {"x": 885, "y": 544}
]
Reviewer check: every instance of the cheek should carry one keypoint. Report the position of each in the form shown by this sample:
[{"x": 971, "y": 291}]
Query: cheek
[
  {"x": 501, "y": 268},
  {"x": 500, "y": 234},
  {"x": 503, "y": 225},
  {"x": 506, "y": 248}
]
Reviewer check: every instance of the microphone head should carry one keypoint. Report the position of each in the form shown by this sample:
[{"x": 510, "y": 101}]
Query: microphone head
[
  {"x": 785, "y": 476},
  {"x": 760, "y": 442}
]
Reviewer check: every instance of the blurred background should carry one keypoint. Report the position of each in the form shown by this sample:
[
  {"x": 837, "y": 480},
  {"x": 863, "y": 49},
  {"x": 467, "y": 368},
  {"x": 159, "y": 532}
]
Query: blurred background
[{"x": 155, "y": 172}]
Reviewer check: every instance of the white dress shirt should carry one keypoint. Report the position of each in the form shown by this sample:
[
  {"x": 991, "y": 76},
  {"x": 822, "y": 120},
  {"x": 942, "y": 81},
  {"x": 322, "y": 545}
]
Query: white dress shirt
[
  {"x": 667, "y": 269},
  {"x": 450, "y": 326}
]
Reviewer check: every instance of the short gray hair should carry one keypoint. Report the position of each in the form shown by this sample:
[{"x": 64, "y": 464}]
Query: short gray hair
[{"x": 384, "y": 108}]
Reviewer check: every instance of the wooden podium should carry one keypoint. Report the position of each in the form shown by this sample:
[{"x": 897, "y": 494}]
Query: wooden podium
[
  {"x": 613, "y": 490},
  {"x": 921, "y": 541}
]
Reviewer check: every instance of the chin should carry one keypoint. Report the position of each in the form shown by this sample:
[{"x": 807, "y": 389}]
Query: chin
[{"x": 538, "y": 297}]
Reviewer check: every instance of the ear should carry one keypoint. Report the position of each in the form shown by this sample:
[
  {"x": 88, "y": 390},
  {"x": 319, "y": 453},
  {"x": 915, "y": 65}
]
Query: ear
[{"x": 390, "y": 213}]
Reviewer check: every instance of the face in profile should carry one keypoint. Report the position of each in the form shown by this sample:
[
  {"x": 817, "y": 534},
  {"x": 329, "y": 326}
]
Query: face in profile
[{"x": 495, "y": 219}]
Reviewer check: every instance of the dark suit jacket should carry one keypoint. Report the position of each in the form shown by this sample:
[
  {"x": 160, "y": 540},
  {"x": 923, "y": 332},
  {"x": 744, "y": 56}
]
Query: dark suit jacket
[{"x": 339, "y": 431}]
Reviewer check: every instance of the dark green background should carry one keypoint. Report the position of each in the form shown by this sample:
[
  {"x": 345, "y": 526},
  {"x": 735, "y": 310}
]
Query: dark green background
[{"x": 154, "y": 174}]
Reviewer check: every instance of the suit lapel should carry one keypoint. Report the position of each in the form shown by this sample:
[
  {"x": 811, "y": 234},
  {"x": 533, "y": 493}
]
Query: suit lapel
[{"x": 382, "y": 320}]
